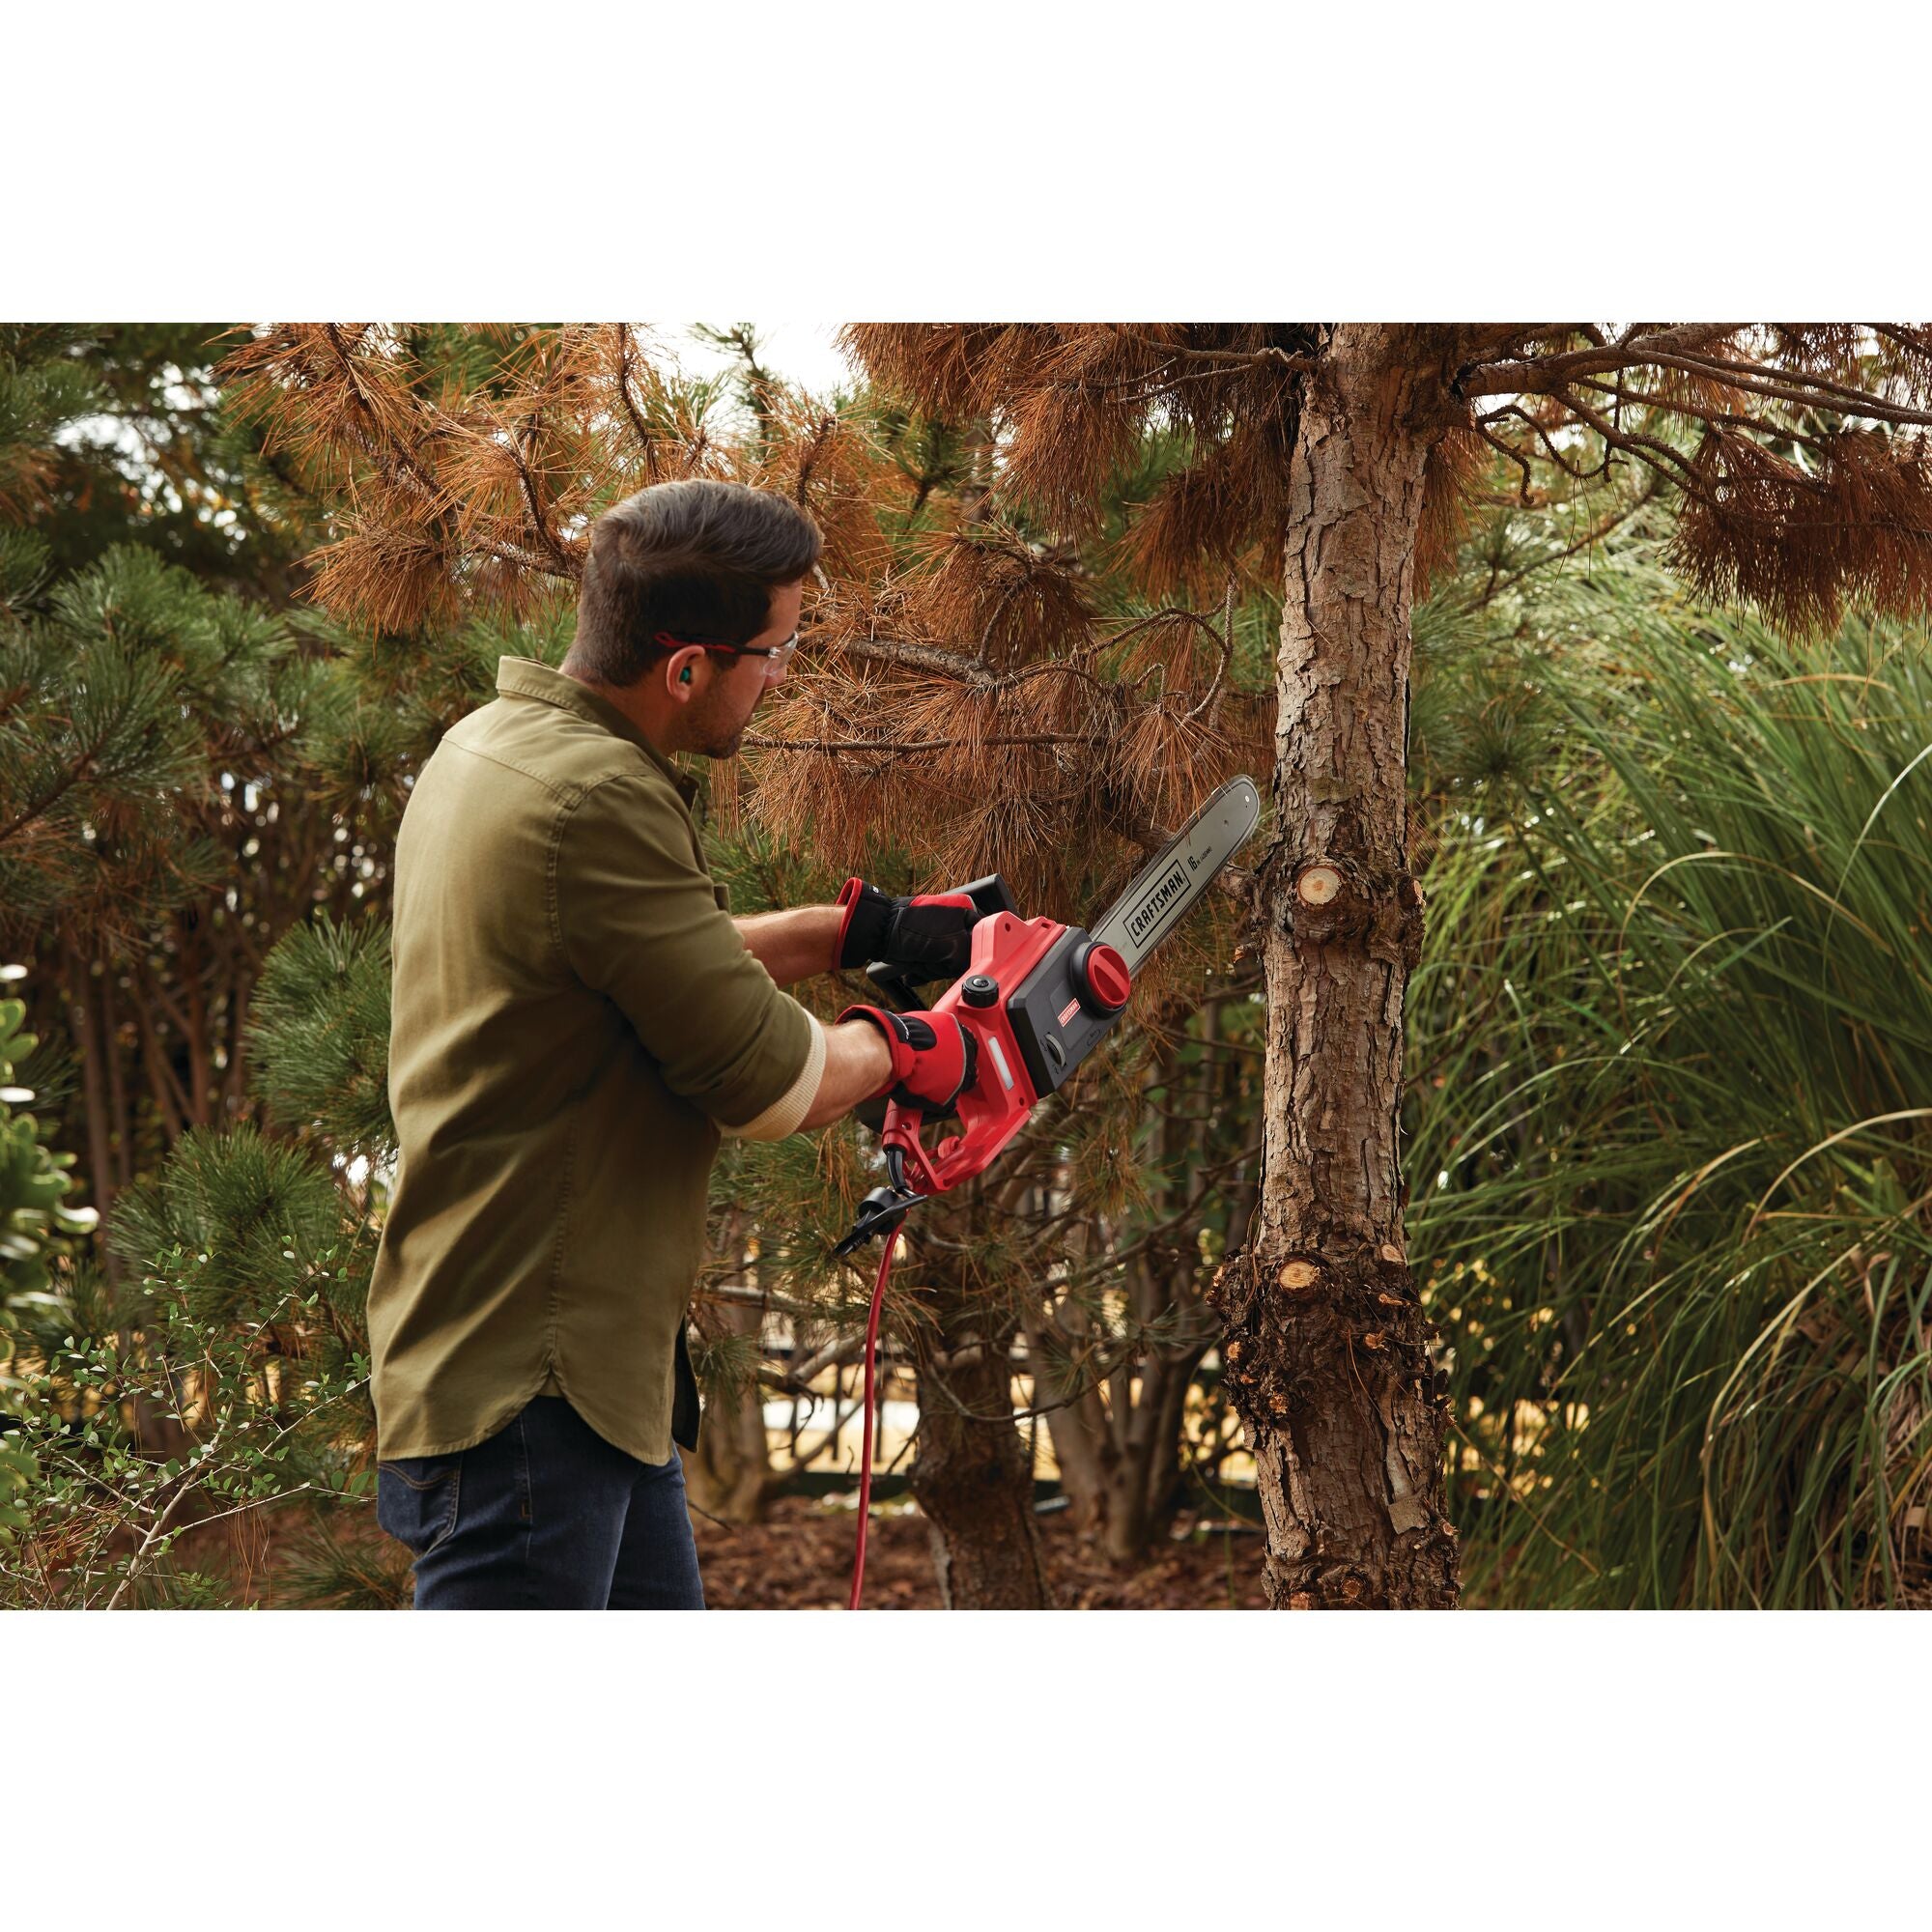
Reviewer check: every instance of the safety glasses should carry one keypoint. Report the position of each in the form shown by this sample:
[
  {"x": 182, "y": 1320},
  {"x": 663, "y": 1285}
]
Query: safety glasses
[{"x": 778, "y": 655}]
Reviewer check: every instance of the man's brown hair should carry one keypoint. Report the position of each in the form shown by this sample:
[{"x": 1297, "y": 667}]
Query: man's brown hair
[{"x": 696, "y": 561}]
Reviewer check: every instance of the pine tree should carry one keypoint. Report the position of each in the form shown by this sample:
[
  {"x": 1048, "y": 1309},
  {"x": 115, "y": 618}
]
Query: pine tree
[
  {"x": 184, "y": 773},
  {"x": 37, "y": 1230},
  {"x": 226, "y": 1375},
  {"x": 168, "y": 742},
  {"x": 1336, "y": 461}
]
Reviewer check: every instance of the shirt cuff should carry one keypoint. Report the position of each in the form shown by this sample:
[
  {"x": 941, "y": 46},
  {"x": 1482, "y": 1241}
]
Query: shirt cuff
[{"x": 783, "y": 1116}]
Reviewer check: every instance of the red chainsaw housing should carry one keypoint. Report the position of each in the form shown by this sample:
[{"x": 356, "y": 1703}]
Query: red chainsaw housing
[{"x": 1005, "y": 950}]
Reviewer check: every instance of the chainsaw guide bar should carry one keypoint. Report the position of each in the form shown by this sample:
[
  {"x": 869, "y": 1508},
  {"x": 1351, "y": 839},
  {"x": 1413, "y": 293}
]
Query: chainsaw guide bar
[{"x": 1177, "y": 876}]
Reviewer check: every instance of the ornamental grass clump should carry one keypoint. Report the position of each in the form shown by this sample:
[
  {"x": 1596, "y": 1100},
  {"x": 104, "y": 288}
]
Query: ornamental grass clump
[{"x": 1671, "y": 1108}]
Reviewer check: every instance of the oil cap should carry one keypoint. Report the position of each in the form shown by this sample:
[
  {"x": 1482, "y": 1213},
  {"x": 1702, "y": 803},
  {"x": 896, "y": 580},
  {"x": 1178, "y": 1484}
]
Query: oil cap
[
  {"x": 1101, "y": 979},
  {"x": 978, "y": 990}
]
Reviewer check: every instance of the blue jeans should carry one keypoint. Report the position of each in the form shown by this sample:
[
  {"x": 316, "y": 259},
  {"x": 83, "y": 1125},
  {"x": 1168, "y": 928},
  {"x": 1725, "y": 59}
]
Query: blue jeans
[{"x": 545, "y": 1515}]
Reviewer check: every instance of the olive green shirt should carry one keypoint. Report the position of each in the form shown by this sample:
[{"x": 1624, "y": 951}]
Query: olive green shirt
[{"x": 575, "y": 1018}]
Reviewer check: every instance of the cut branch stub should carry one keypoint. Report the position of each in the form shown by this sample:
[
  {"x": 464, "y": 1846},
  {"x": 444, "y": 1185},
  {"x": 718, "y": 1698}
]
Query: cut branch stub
[
  {"x": 1317, "y": 884},
  {"x": 1335, "y": 901},
  {"x": 1298, "y": 1276}
]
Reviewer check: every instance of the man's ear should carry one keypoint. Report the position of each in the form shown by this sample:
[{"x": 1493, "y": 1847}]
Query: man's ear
[{"x": 677, "y": 673}]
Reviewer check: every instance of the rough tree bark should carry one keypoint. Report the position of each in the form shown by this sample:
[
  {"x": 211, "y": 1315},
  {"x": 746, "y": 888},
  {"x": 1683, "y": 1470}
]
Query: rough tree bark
[{"x": 1328, "y": 1348}]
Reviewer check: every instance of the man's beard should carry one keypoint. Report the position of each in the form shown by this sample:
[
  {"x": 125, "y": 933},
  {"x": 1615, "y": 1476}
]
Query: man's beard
[{"x": 714, "y": 728}]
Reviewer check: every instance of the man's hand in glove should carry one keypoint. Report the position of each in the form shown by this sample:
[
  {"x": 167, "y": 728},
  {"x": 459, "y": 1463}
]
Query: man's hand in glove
[
  {"x": 925, "y": 937},
  {"x": 934, "y": 1058}
]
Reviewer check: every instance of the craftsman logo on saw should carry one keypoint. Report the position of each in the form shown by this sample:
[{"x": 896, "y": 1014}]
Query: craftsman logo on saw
[{"x": 1167, "y": 894}]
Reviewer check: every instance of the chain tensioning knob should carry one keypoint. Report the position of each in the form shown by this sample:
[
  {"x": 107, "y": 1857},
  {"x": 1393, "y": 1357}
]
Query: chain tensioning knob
[{"x": 1101, "y": 979}]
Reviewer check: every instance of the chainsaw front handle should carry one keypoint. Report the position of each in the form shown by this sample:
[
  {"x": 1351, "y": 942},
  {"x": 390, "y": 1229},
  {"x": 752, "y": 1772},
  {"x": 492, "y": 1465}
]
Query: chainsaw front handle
[{"x": 900, "y": 984}]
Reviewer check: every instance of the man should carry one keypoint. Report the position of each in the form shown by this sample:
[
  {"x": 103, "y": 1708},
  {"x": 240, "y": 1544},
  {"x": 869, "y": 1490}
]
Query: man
[{"x": 577, "y": 1020}]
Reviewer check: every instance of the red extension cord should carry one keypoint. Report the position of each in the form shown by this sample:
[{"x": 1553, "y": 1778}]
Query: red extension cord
[{"x": 865, "y": 1437}]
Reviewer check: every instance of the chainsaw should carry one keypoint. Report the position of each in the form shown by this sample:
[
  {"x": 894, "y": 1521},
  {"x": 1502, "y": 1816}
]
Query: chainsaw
[{"x": 1038, "y": 997}]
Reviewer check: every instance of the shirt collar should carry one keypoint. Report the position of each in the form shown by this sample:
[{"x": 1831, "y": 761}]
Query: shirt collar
[{"x": 526, "y": 677}]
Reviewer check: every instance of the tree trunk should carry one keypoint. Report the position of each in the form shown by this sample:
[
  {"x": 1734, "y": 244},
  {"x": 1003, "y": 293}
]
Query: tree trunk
[
  {"x": 973, "y": 1478},
  {"x": 109, "y": 1037},
  {"x": 729, "y": 1475},
  {"x": 1142, "y": 1485},
  {"x": 1328, "y": 1348},
  {"x": 1122, "y": 1472},
  {"x": 77, "y": 982}
]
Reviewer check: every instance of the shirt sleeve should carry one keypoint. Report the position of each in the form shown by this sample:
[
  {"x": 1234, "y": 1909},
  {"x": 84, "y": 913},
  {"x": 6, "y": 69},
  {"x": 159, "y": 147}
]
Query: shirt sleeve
[
  {"x": 641, "y": 923},
  {"x": 783, "y": 1116}
]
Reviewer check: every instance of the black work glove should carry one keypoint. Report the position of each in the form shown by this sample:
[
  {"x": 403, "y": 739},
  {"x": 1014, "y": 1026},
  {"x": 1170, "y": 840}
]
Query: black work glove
[
  {"x": 926, "y": 937},
  {"x": 934, "y": 1058}
]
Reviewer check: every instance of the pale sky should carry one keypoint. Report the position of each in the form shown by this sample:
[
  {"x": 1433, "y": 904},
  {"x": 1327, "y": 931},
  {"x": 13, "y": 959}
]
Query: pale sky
[{"x": 801, "y": 351}]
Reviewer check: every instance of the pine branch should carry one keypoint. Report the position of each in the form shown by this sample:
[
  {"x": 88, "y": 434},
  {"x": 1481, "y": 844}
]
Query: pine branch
[
  {"x": 1538, "y": 375},
  {"x": 900, "y": 745},
  {"x": 383, "y": 443},
  {"x": 1270, "y": 355},
  {"x": 922, "y": 657},
  {"x": 626, "y": 362},
  {"x": 1676, "y": 349},
  {"x": 1500, "y": 581}
]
